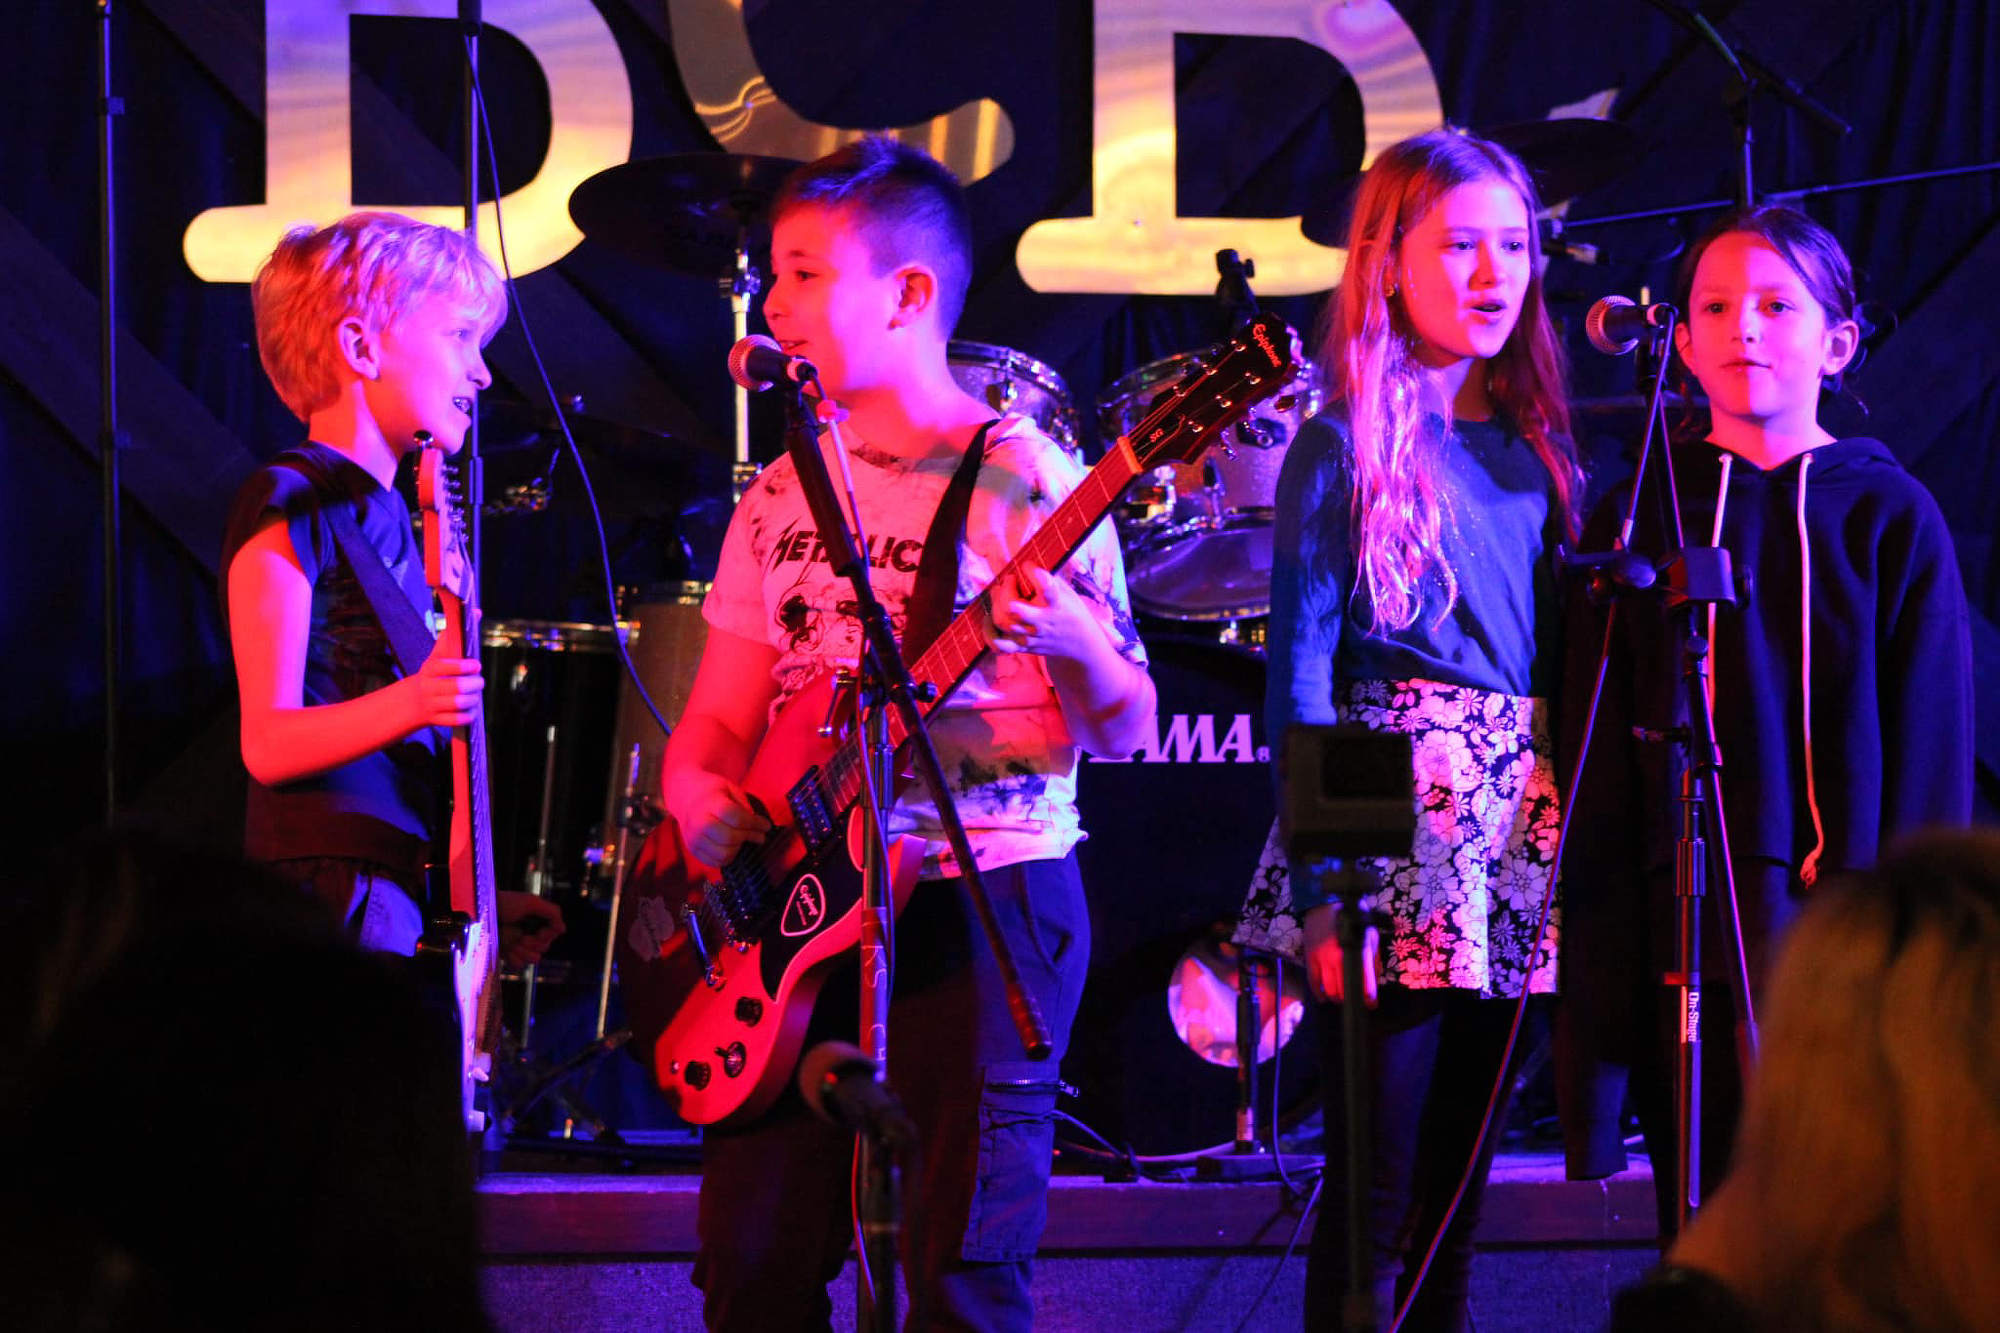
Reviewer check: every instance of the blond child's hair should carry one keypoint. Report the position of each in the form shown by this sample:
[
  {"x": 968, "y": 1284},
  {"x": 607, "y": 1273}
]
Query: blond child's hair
[
  {"x": 370, "y": 265},
  {"x": 1866, "y": 1177}
]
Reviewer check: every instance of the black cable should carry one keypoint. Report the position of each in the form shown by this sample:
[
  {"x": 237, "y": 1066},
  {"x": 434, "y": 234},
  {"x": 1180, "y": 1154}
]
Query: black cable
[
  {"x": 1521, "y": 1003},
  {"x": 1283, "y": 1259},
  {"x": 562, "y": 420}
]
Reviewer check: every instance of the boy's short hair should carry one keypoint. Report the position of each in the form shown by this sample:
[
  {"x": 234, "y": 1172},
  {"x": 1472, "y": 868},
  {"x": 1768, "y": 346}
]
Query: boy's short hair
[
  {"x": 373, "y": 265},
  {"x": 905, "y": 204}
]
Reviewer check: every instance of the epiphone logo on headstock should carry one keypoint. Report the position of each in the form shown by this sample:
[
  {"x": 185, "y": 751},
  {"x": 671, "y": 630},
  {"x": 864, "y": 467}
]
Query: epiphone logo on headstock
[
  {"x": 1263, "y": 338},
  {"x": 805, "y": 910}
]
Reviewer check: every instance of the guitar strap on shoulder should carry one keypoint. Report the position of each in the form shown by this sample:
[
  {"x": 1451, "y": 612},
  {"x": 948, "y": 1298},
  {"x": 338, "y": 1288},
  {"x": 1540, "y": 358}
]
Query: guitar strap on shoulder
[
  {"x": 930, "y": 606},
  {"x": 410, "y": 639}
]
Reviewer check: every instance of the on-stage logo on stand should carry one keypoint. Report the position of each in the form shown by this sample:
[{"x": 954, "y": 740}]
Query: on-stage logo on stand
[
  {"x": 805, "y": 910},
  {"x": 1190, "y": 738}
]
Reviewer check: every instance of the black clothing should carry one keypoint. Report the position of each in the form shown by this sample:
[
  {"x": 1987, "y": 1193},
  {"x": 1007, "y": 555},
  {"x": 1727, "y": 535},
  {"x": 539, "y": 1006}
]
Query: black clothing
[
  {"x": 380, "y": 808},
  {"x": 774, "y": 1222},
  {"x": 1843, "y": 710}
]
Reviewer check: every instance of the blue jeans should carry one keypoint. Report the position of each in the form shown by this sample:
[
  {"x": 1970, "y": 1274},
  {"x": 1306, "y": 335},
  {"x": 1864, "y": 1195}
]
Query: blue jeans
[
  {"x": 774, "y": 1223},
  {"x": 374, "y": 907}
]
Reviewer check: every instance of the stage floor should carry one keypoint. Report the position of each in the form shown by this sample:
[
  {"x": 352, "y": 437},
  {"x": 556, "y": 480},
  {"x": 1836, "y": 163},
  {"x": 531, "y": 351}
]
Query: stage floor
[{"x": 608, "y": 1247}]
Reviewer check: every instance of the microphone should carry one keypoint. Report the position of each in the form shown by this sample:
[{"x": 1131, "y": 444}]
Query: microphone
[
  {"x": 837, "y": 1080},
  {"x": 1616, "y": 324},
  {"x": 757, "y": 363}
]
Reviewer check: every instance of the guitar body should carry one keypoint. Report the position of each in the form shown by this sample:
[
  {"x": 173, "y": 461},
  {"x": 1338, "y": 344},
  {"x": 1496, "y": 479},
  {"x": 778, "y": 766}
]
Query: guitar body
[
  {"x": 719, "y": 969},
  {"x": 722, "y": 1038}
]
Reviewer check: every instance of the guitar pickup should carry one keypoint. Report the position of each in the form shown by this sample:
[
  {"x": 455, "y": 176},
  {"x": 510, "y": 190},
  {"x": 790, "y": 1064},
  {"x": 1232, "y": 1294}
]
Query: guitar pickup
[{"x": 809, "y": 808}]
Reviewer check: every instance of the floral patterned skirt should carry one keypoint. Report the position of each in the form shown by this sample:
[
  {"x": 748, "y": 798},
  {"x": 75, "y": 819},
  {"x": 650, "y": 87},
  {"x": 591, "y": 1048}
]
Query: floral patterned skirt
[{"x": 1464, "y": 905}]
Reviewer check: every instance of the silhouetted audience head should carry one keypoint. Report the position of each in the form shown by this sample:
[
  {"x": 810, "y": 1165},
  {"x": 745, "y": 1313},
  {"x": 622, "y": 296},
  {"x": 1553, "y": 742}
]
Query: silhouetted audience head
[
  {"x": 220, "y": 1114},
  {"x": 1865, "y": 1190}
]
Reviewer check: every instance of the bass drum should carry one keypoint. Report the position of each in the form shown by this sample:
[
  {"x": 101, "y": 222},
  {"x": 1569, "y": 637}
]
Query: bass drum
[
  {"x": 1011, "y": 381},
  {"x": 667, "y": 637},
  {"x": 1174, "y": 838}
]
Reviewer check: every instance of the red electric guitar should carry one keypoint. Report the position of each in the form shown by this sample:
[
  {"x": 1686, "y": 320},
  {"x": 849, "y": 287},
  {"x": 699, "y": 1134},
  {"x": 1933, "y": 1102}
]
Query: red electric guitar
[
  {"x": 475, "y": 925},
  {"x": 719, "y": 970}
]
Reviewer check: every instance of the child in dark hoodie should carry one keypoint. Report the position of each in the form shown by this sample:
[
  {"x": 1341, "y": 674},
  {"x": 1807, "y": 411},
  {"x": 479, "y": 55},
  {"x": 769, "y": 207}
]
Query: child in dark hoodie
[{"x": 1841, "y": 684}]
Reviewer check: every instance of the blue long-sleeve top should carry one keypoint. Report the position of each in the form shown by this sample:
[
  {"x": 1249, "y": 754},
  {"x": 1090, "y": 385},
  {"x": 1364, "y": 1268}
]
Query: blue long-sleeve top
[{"x": 1499, "y": 534}]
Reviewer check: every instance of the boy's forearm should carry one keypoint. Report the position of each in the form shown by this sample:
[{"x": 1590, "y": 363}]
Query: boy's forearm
[
  {"x": 286, "y": 744},
  {"x": 1107, "y": 699},
  {"x": 700, "y": 748}
]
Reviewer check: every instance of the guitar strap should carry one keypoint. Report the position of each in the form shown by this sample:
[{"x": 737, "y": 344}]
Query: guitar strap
[
  {"x": 931, "y": 596},
  {"x": 409, "y": 637},
  {"x": 395, "y": 606}
]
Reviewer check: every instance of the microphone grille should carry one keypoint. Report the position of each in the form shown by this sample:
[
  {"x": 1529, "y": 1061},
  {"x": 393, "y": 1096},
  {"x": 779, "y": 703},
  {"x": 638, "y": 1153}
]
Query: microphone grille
[
  {"x": 1600, "y": 337},
  {"x": 739, "y": 361}
]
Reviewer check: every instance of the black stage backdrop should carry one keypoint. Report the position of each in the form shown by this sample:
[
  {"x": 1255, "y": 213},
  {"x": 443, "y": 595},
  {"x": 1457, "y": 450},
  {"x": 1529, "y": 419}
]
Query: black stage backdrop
[{"x": 1265, "y": 126}]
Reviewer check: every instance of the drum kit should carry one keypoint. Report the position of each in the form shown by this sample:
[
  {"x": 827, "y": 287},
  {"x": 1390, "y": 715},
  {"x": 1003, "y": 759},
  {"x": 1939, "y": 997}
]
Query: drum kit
[{"x": 576, "y": 756}]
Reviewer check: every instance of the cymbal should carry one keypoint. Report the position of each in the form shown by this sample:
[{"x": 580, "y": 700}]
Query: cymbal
[
  {"x": 1570, "y": 155},
  {"x": 633, "y": 471},
  {"x": 1566, "y": 157},
  {"x": 685, "y": 211}
]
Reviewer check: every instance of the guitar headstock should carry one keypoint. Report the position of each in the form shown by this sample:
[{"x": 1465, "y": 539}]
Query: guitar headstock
[
  {"x": 1258, "y": 361},
  {"x": 447, "y": 563}
]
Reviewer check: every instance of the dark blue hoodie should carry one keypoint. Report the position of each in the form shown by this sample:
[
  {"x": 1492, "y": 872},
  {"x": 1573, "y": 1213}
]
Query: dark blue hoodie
[{"x": 1839, "y": 728}]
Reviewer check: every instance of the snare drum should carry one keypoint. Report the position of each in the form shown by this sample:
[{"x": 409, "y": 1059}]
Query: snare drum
[
  {"x": 1011, "y": 381},
  {"x": 1199, "y": 534}
]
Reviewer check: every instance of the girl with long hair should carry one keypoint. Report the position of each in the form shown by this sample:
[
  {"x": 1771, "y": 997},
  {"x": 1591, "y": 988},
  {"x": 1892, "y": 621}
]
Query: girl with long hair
[{"x": 1413, "y": 592}]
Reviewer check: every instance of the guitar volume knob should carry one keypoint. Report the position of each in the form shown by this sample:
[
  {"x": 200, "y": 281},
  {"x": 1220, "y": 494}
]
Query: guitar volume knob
[
  {"x": 749, "y": 1012},
  {"x": 697, "y": 1075}
]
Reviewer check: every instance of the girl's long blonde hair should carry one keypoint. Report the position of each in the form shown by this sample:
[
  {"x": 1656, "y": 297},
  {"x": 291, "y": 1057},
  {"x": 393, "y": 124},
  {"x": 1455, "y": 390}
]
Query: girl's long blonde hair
[{"x": 1367, "y": 353}]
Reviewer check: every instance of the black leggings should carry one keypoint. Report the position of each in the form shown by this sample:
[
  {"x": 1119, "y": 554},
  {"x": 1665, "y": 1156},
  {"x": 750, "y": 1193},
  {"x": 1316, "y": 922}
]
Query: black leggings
[{"x": 1433, "y": 1057}]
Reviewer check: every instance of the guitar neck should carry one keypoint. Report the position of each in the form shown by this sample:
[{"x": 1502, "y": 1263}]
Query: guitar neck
[{"x": 950, "y": 658}]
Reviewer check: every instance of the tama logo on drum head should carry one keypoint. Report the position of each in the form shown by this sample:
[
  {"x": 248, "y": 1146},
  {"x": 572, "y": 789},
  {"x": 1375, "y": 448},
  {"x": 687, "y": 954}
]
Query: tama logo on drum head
[
  {"x": 1189, "y": 738},
  {"x": 805, "y": 910}
]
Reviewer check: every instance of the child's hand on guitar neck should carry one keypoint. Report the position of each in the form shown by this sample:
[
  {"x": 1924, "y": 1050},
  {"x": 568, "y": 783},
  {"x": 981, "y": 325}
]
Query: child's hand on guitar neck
[
  {"x": 445, "y": 691},
  {"x": 716, "y": 817}
]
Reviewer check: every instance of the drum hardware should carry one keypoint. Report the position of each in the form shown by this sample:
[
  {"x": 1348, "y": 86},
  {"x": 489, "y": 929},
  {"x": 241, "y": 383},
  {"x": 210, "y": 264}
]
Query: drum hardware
[
  {"x": 703, "y": 213},
  {"x": 637, "y": 816},
  {"x": 1153, "y": 899},
  {"x": 536, "y": 876},
  {"x": 1011, "y": 381}
]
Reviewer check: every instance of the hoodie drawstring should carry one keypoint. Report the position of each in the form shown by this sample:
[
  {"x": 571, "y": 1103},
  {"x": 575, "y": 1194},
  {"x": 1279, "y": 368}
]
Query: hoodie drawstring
[
  {"x": 1715, "y": 539},
  {"x": 1809, "y": 868}
]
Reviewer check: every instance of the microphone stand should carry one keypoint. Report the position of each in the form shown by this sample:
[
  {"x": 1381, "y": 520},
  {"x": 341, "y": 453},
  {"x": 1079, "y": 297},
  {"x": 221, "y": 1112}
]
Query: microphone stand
[
  {"x": 1752, "y": 74},
  {"x": 884, "y": 683},
  {"x": 474, "y": 469},
  {"x": 1696, "y": 577},
  {"x": 110, "y": 439}
]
